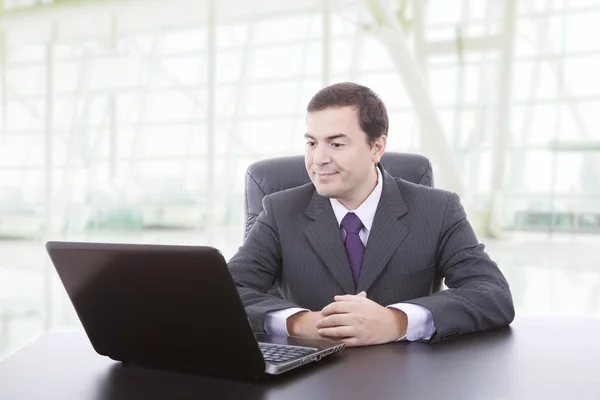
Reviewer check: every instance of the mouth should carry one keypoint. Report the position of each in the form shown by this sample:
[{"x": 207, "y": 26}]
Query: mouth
[{"x": 325, "y": 174}]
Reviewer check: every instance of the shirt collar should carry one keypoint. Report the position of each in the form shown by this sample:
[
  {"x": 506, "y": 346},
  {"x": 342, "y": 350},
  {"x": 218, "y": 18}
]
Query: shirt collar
[{"x": 366, "y": 211}]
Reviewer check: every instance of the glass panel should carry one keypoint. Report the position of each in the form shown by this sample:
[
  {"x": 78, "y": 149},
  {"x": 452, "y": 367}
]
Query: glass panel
[
  {"x": 276, "y": 62},
  {"x": 583, "y": 31},
  {"x": 271, "y": 99},
  {"x": 287, "y": 28},
  {"x": 581, "y": 75}
]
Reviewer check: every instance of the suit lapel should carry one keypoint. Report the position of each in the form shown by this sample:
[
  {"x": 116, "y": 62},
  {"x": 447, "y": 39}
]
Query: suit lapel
[
  {"x": 387, "y": 233},
  {"x": 323, "y": 233}
]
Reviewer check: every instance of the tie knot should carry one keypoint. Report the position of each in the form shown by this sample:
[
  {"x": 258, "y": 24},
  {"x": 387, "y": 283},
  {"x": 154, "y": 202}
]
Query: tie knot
[{"x": 351, "y": 223}]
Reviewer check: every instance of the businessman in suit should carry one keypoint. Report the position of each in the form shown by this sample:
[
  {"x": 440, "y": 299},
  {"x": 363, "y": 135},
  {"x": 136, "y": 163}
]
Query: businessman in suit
[{"x": 356, "y": 252}]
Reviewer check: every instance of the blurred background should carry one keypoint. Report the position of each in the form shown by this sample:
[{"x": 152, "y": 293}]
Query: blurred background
[{"x": 135, "y": 121}]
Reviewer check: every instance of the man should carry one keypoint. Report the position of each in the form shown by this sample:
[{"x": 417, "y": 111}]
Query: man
[{"x": 356, "y": 251}]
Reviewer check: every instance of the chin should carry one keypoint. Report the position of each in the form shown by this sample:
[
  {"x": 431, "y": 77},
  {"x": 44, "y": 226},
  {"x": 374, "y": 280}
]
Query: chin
[{"x": 325, "y": 191}]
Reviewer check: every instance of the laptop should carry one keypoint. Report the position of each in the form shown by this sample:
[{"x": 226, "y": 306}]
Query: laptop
[{"x": 172, "y": 307}]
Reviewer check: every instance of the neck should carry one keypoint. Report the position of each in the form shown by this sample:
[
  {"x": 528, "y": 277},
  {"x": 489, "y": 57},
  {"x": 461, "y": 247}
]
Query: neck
[{"x": 362, "y": 193}]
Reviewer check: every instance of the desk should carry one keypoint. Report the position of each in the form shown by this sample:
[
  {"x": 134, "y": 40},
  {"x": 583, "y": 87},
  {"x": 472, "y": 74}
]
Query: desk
[{"x": 549, "y": 358}]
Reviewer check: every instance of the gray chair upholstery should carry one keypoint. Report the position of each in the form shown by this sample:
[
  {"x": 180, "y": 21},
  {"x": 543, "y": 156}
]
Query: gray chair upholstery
[{"x": 277, "y": 174}]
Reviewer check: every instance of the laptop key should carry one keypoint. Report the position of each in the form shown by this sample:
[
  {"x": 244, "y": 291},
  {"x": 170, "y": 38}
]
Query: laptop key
[{"x": 276, "y": 353}]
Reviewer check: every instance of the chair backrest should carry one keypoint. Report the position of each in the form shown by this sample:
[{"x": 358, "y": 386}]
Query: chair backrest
[{"x": 277, "y": 174}]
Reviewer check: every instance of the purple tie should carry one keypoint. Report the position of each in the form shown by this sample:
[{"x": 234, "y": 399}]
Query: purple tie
[{"x": 355, "y": 249}]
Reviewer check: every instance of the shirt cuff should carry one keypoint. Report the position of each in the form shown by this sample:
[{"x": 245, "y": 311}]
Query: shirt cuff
[
  {"x": 276, "y": 321},
  {"x": 420, "y": 322}
]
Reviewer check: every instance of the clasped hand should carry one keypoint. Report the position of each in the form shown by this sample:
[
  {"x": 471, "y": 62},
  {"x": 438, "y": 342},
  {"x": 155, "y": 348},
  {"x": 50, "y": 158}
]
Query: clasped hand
[{"x": 359, "y": 321}]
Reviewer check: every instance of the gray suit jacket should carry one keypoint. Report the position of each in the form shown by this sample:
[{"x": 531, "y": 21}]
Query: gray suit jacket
[{"x": 418, "y": 233}]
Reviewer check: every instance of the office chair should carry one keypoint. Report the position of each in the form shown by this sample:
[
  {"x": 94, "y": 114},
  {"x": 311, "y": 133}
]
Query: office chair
[{"x": 276, "y": 174}]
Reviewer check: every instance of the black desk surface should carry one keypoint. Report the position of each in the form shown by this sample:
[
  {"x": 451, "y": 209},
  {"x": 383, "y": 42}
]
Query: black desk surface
[{"x": 536, "y": 358}]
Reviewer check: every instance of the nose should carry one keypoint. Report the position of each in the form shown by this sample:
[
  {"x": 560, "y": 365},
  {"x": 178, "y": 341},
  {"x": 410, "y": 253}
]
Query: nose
[{"x": 321, "y": 155}]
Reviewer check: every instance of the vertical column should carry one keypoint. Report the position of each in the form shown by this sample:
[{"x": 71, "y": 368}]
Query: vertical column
[
  {"x": 501, "y": 138},
  {"x": 210, "y": 112},
  {"x": 112, "y": 104},
  {"x": 3, "y": 89},
  {"x": 326, "y": 44},
  {"x": 48, "y": 168},
  {"x": 559, "y": 122},
  {"x": 357, "y": 47},
  {"x": 419, "y": 35},
  {"x": 48, "y": 130}
]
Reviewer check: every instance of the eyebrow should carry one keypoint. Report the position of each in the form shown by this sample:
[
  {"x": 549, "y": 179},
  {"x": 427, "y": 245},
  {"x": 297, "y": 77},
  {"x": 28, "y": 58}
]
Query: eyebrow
[{"x": 332, "y": 137}]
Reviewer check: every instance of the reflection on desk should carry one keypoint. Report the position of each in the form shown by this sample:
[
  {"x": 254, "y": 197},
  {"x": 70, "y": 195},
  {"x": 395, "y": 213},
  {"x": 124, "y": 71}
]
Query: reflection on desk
[{"x": 534, "y": 358}]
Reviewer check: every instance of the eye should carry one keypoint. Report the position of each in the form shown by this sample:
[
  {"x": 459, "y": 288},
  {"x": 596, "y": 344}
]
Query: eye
[
  {"x": 310, "y": 144},
  {"x": 337, "y": 145}
]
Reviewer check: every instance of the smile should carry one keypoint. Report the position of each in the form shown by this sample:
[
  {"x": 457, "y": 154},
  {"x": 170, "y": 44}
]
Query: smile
[{"x": 325, "y": 174}]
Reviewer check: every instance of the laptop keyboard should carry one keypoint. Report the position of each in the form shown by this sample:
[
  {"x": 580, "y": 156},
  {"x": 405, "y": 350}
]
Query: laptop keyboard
[{"x": 279, "y": 353}]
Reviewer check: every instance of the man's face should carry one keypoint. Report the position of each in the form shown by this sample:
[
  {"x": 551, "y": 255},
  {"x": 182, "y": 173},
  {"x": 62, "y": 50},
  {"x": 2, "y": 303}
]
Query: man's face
[{"x": 339, "y": 157}]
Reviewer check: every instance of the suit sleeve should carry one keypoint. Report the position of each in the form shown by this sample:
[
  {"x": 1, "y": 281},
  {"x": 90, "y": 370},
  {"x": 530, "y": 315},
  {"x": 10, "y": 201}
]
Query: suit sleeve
[
  {"x": 256, "y": 267},
  {"x": 478, "y": 296}
]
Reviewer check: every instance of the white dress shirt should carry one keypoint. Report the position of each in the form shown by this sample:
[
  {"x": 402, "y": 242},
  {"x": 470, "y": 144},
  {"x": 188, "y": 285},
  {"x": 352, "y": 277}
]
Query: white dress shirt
[{"x": 420, "y": 322}]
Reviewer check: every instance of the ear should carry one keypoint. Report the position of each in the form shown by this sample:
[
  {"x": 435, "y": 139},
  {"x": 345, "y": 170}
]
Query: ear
[{"x": 378, "y": 148}]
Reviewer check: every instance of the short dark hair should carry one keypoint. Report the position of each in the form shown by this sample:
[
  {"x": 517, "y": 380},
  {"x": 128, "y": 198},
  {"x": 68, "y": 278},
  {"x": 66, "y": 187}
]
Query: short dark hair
[{"x": 372, "y": 114}]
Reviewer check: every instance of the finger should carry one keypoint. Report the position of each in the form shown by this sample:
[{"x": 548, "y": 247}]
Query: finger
[
  {"x": 362, "y": 294},
  {"x": 338, "y": 308},
  {"x": 337, "y": 332},
  {"x": 349, "y": 297},
  {"x": 335, "y": 320}
]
